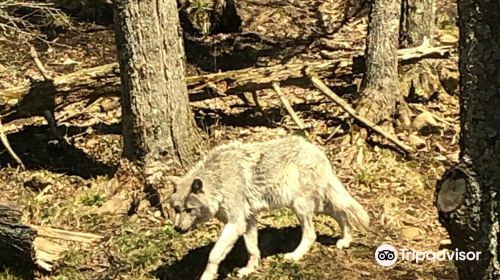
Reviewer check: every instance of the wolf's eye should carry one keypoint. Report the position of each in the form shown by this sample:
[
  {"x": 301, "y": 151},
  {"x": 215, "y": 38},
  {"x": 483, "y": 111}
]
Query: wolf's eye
[
  {"x": 177, "y": 209},
  {"x": 189, "y": 210}
]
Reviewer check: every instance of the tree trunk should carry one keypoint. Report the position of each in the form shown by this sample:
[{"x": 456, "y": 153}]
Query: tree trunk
[
  {"x": 158, "y": 125},
  {"x": 467, "y": 195},
  {"x": 209, "y": 17},
  {"x": 417, "y": 22},
  {"x": 379, "y": 89}
]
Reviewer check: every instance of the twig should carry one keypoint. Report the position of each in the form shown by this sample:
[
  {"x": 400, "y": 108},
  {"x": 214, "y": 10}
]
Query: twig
[
  {"x": 6, "y": 144},
  {"x": 49, "y": 116},
  {"x": 288, "y": 107},
  {"x": 346, "y": 107},
  {"x": 39, "y": 64},
  {"x": 333, "y": 133}
]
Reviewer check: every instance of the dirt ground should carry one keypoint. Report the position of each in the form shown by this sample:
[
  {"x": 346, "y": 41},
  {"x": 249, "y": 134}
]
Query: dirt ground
[{"x": 64, "y": 186}]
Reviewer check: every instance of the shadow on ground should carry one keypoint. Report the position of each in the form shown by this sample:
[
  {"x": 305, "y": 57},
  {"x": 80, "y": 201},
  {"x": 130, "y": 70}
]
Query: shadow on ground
[
  {"x": 38, "y": 149},
  {"x": 272, "y": 241}
]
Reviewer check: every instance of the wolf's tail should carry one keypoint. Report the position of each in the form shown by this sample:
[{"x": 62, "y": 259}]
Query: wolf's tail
[{"x": 343, "y": 202}]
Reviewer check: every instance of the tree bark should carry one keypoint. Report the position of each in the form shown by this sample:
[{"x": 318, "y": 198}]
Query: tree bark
[
  {"x": 16, "y": 239},
  {"x": 379, "y": 89},
  {"x": 158, "y": 125},
  {"x": 417, "y": 22},
  {"x": 467, "y": 195}
]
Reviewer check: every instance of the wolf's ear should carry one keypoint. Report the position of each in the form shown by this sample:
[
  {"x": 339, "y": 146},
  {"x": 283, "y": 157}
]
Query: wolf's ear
[
  {"x": 174, "y": 179},
  {"x": 197, "y": 186}
]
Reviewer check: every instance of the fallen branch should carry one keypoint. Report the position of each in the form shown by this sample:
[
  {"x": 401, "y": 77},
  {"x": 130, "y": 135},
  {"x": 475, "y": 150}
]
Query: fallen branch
[
  {"x": 33, "y": 246},
  {"x": 8, "y": 147},
  {"x": 346, "y": 107},
  {"x": 288, "y": 107},
  {"x": 39, "y": 64}
]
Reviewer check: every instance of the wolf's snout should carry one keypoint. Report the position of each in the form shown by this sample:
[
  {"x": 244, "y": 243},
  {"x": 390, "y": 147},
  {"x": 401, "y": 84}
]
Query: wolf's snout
[{"x": 179, "y": 229}]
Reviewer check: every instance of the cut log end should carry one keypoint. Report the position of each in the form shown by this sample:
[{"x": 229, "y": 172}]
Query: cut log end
[
  {"x": 451, "y": 194},
  {"x": 452, "y": 190}
]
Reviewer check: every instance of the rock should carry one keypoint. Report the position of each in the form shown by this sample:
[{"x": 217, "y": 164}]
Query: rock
[
  {"x": 448, "y": 38},
  {"x": 365, "y": 273},
  {"x": 425, "y": 123},
  {"x": 38, "y": 182},
  {"x": 449, "y": 80},
  {"x": 411, "y": 233},
  {"x": 417, "y": 142}
]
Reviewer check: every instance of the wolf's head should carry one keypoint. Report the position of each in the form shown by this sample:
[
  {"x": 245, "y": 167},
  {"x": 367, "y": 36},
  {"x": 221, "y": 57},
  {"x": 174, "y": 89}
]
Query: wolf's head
[{"x": 190, "y": 203}]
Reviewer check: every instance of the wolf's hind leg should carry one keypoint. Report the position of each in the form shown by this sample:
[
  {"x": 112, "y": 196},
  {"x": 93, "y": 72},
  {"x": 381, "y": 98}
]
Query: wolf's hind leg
[
  {"x": 341, "y": 218},
  {"x": 229, "y": 236},
  {"x": 346, "y": 239},
  {"x": 305, "y": 213},
  {"x": 252, "y": 244}
]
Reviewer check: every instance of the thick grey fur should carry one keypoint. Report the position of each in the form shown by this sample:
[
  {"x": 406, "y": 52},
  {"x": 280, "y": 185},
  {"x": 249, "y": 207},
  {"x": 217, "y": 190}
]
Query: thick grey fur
[{"x": 236, "y": 181}]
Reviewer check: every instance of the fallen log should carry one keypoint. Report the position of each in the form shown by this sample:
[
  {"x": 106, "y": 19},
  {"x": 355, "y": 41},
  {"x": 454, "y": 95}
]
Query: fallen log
[
  {"x": 39, "y": 96},
  {"x": 90, "y": 84},
  {"x": 33, "y": 247}
]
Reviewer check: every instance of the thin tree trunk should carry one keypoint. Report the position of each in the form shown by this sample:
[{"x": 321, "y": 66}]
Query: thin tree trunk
[
  {"x": 379, "y": 89},
  {"x": 158, "y": 125},
  {"x": 468, "y": 194},
  {"x": 417, "y": 22},
  {"x": 209, "y": 16}
]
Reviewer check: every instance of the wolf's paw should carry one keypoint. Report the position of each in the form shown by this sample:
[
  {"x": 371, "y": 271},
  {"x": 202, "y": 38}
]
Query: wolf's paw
[
  {"x": 208, "y": 276},
  {"x": 244, "y": 271},
  {"x": 343, "y": 243},
  {"x": 293, "y": 256}
]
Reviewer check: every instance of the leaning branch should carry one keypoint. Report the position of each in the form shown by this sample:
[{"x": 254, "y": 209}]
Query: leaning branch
[
  {"x": 346, "y": 107},
  {"x": 288, "y": 107},
  {"x": 8, "y": 147}
]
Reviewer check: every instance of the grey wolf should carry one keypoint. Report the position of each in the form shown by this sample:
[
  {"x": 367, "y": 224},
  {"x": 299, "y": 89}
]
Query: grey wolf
[{"x": 236, "y": 181}]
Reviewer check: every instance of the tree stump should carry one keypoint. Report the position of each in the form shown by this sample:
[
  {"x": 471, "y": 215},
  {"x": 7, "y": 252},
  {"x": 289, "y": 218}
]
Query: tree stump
[
  {"x": 33, "y": 247},
  {"x": 16, "y": 239}
]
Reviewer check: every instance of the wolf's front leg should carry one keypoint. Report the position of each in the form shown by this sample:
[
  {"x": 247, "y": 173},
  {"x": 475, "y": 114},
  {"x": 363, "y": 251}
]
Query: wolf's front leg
[
  {"x": 222, "y": 247},
  {"x": 252, "y": 243}
]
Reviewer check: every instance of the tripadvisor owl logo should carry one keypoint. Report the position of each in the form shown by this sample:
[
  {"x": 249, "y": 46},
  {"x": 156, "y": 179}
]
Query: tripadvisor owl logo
[{"x": 386, "y": 255}]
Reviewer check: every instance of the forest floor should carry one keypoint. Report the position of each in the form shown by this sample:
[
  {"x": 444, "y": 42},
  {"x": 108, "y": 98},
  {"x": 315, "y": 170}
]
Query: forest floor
[{"x": 65, "y": 186}]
